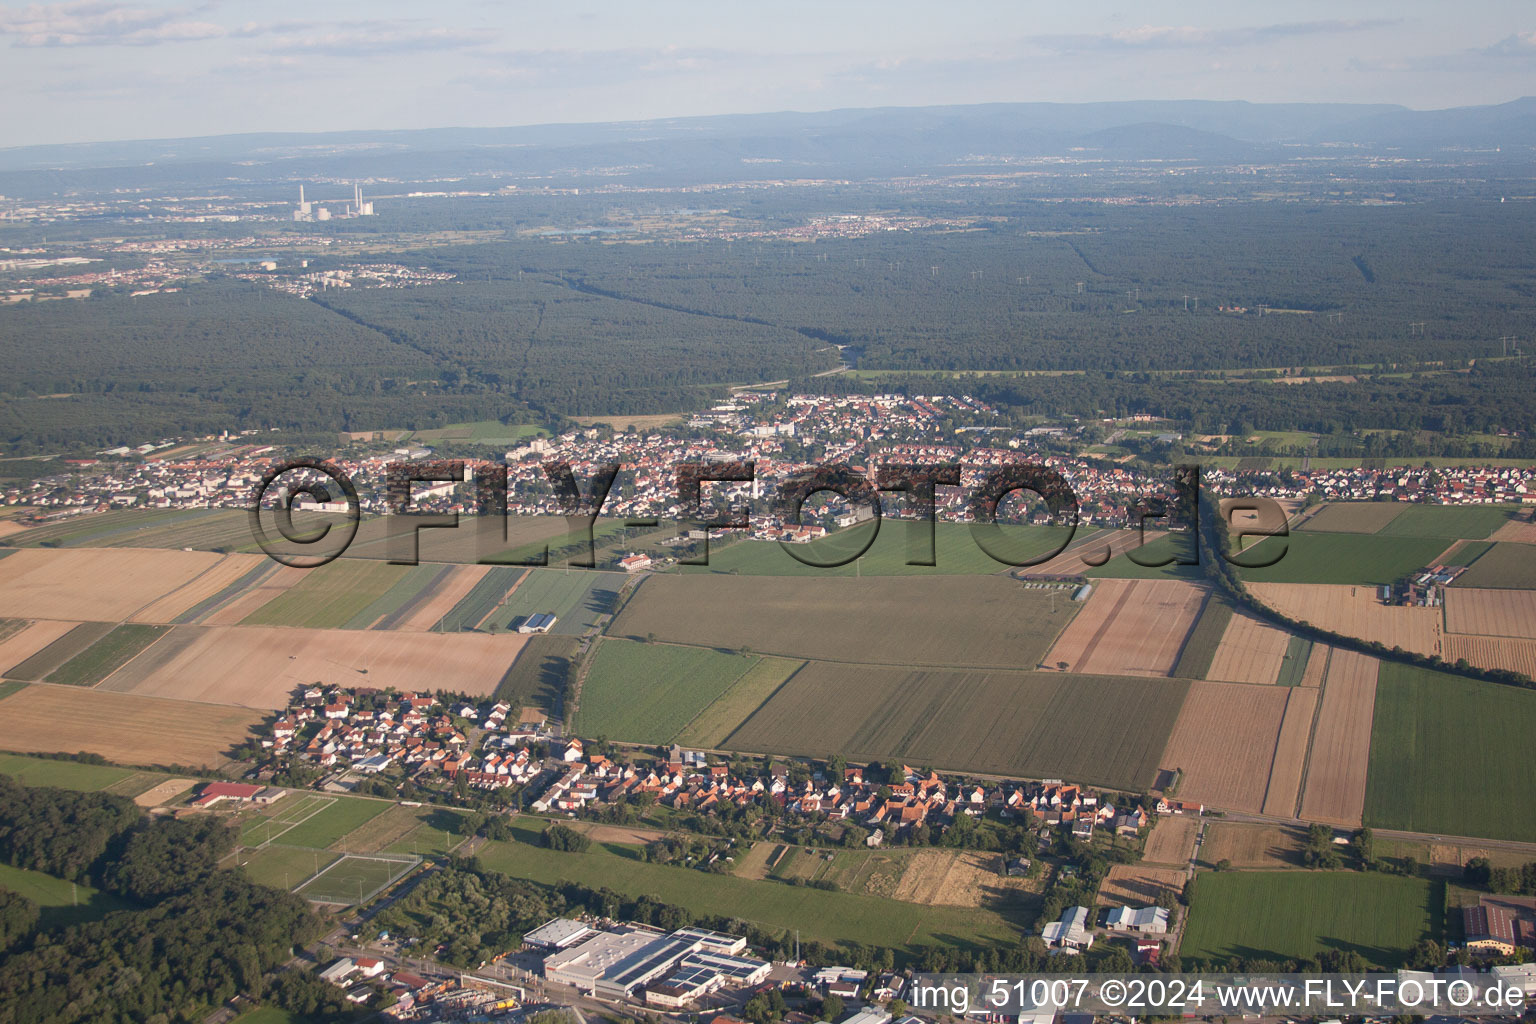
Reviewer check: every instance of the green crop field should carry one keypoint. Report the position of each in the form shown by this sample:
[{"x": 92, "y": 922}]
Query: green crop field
[
  {"x": 537, "y": 678},
  {"x": 490, "y": 432},
  {"x": 831, "y": 917},
  {"x": 1457, "y": 522},
  {"x": 61, "y": 903},
  {"x": 1299, "y": 914},
  {"x": 10, "y": 686},
  {"x": 944, "y": 622},
  {"x": 1200, "y": 646},
  {"x": 1468, "y": 552},
  {"x": 330, "y": 596},
  {"x": 412, "y": 581},
  {"x": 577, "y": 598},
  {"x": 737, "y": 704},
  {"x": 1293, "y": 668},
  {"x": 106, "y": 655},
  {"x": 325, "y": 828},
  {"x": 45, "y": 661},
  {"x": 1103, "y": 730},
  {"x": 646, "y": 693},
  {"x": 481, "y": 600},
  {"x": 956, "y": 553},
  {"x": 1508, "y": 566},
  {"x": 1343, "y": 558},
  {"x": 1452, "y": 756},
  {"x": 1353, "y": 517},
  {"x": 43, "y": 771}
]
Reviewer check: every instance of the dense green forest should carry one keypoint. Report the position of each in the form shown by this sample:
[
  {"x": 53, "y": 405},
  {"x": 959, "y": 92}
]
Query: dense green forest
[
  {"x": 537, "y": 329},
  {"x": 197, "y": 935}
]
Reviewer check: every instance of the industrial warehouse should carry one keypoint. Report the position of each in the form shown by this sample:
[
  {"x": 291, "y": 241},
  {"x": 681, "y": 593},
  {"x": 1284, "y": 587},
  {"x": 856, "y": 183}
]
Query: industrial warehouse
[{"x": 672, "y": 970}]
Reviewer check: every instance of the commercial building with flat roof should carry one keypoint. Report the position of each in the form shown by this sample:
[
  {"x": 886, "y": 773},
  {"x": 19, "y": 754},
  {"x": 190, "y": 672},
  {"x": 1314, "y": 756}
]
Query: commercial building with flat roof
[
  {"x": 582, "y": 965},
  {"x": 561, "y": 933}
]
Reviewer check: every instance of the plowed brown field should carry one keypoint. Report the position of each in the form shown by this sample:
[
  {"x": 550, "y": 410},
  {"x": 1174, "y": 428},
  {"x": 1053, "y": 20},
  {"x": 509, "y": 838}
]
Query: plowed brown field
[
  {"x": 1224, "y": 743},
  {"x": 1130, "y": 627},
  {"x": 1334, "y": 788}
]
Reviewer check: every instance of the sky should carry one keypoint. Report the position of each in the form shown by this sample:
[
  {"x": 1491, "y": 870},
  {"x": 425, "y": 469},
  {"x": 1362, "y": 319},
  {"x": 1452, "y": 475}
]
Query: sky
[{"x": 94, "y": 70}]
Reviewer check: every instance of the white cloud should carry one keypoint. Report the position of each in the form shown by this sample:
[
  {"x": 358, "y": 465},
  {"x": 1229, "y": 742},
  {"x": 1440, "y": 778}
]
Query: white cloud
[{"x": 100, "y": 23}]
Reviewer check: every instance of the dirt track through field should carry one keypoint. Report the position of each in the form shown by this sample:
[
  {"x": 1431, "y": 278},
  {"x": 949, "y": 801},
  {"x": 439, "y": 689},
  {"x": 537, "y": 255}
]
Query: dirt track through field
[
  {"x": 1130, "y": 627},
  {"x": 1250, "y": 651},
  {"x": 1224, "y": 743},
  {"x": 1355, "y": 611},
  {"x": 1334, "y": 788},
  {"x": 1491, "y": 612}
]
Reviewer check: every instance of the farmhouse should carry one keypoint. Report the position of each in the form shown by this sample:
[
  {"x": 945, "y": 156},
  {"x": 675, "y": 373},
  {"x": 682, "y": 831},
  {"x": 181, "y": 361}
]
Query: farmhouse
[
  {"x": 1072, "y": 931},
  {"x": 635, "y": 563},
  {"x": 1147, "y": 920}
]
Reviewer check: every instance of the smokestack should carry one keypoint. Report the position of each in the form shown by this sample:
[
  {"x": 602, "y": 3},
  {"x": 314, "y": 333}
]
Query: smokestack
[{"x": 301, "y": 195}]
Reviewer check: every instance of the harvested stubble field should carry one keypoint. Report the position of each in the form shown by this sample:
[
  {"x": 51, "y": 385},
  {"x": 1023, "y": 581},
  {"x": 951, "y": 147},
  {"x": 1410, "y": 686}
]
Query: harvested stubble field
[
  {"x": 1353, "y": 517},
  {"x": 646, "y": 693},
  {"x": 1172, "y": 840},
  {"x": 432, "y": 604},
  {"x": 1284, "y": 789},
  {"x": 1224, "y": 744},
  {"x": 1251, "y": 651},
  {"x": 102, "y": 584},
  {"x": 945, "y": 622},
  {"x": 32, "y": 638},
  {"x": 1491, "y": 612},
  {"x": 126, "y": 728},
  {"x": 1102, "y": 730},
  {"x": 1140, "y": 884},
  {"x": 1492, "y": 652},
  {"x": 1334, "y": 788},
  {"x": 1129, "y": 627},
  {"x": 237, "y": 602},
  {"x": 1252, "y": 846},
  {"x": 1507, "y": 566},
  {"x": 1452, "y": 756},
  {"x": 1096, "y": 545},
  {"x": 255, "y": 666},
  {"x": 228, "y": 570},
  {"x": 1355, "y": 611},
  {"x": 1317, "y": 666},
  {"x": 1516, "y": 531},
  {"x": 957, "y": 878}
]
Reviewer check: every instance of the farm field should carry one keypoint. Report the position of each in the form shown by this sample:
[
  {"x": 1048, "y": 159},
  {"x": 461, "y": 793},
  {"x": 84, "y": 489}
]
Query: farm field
[
  {"x": 1129, "y": 627},
  {"x": 72, "y": 643},
  {"x": 825, "y": 916},
  {"x": 1353, "y": 559},
  {"x": 1510, "y": 613},
  {"x": 717, "y": 721},
  {"x": 1452, "y": 756},
  {"x": 1354, "y": 517},
  {"x": 1355, "y": 611},
  {"x": 1317, "y": 666},
  {"x": 414, "y": 585},
  {"x": 1297, "y": 915},
  {"x": 123, "y": 727},
  {"x": 1095, "y": 545},
  {"x": 1251, "y": 651},
  {"x": 213, "y": 581},
  {"x": 1140, "y": 884},
  {"x": 1462, "y": 522},
  {"x": 1507, "y": 566},
  {"x": 100, "y": 584},
  {"x": 200, "y": 529},
  {"x": 537, "y": 678},
  {"x": 429, "y": 606},
  {"x": 1334, "y": 788},
  {"x": 956, "y": 553},
  {"x": 34, "y": 637},
  {"x": 1517, "y": 531},
  {"x": 1171, "y": 840},
  {"x": 984, "y": 622},
  {"x": 256, "y": 666},
  {"x": 332, "y": 595},
  {"x": 1252, "y": 846},
  {"x": 1168, "y": 545},
  {"x": 481, "y": 599},
  {"x": 1492, "y": 652},
  {"x": 60, "y": 903},
  {"x": 106, "y": 655},
  {"x": 45, "y": 771},
  {"x": 1102, "y": 730},
  {"x": 1201, "y": 645},
  {"x": 1284, "y": 789},
  {"x": 577, "y": 598},
  {"x": 647, "y": 693},
  {"x": 1295, "y": 662},
  {"x": 1224, "y": 743},
  {"x": 958, "y": 878},
  {"x": 246, "y": 596}
]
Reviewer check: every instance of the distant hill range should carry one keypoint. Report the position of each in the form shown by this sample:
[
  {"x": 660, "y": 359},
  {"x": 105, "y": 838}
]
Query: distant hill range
[{"x": 837, "y": 143}]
